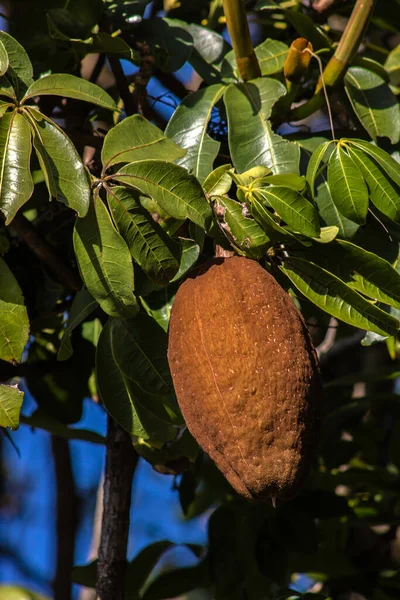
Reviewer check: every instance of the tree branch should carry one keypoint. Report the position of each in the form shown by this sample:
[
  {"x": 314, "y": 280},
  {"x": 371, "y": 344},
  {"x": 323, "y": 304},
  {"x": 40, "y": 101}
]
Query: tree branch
[
  {"x": 121, "y": 460},
  {"x": 28, "y": 233}
]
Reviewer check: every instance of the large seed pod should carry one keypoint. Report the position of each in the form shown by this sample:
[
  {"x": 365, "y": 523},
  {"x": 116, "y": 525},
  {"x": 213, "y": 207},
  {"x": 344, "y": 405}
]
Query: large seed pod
[{"x": 246, "y": 376}]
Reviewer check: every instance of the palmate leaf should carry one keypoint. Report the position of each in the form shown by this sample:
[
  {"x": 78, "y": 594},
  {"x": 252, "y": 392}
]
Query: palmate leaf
[
  {"x": 259, "y": 210},
  {"x": 105, "y": 262},
  {"x": 347, "y": 186},
  {"x": 11, "y": 399},
  {"x": 82, "y": 306},
  {"x": 384, "y": 194},
  {"x": 153, "y": 250},
  {"x": 319, "y": 156},
  {"x": 19, "y": 72},
  {"x": 336, "y": 298},
  {"x": 135, "y": 139},
  {"x": 69, "y": 86},
  {"x": 171, "y": 186},
  {"x": 388, "y": 164},
  {"x": 209, "y": 49},
  {"x": 374, "y": 103},
  {"x": 62, "y": 167},
  {"x": 218, "y": 182},
  {"x": 16, "y": 184},
  {"x": 292, "y": 207},
  {"x": 188, "y": 128},
  {"x": 14, "y": 323},
  {"x": 241, "y": 231},
  {"x": 271, "y": 56},
  {"x": 251, "y": 139},
  {"x": 118, "y": 396}
]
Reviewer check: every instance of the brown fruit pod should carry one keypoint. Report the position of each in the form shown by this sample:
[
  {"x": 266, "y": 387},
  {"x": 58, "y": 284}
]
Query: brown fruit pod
[{"x": 246, "y": 376}]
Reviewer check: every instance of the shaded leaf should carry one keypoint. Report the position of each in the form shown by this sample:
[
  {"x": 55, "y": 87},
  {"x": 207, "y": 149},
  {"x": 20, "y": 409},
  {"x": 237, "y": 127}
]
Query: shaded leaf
[
  {"x": 139, "y": 569},
  {"x": 153, "y": 250},
  {"x": 69, "y": 86},
  {"x": 171, "y": 186},
  {"x": 118, "y": 395},
  {"x": 271, "y": 56},
  {"x": 242, "y": 231},
  {"x": 63, "y": 170},
  {"x": 170, "y": 44},
  {"x": 336, "y": 298},
  {"x": 209, "y": 49},
  {"x": 305, "y": 27},
  {"x": 158, "y": 305},
  {"x": 348, "y": 189},
  {"x": 188, "y": 128},
  {"x": 218, "y": 182},
  {"x": 189, "y": 256},
  {"x": 42, "y": 421},
  {"x": 105, "y": 262},
  {"x": 20, "y": 72},
  {"x": 11, "y": 399},
  {"x": 251, "y": 139},
  {"x": 3, "y": 59},
  {"x": 135, "y": 138},
  {"x": 178, "y": 582},
  {"x": 374, "y": 103},
  {"x": 82, "y": 306},
  {"x": 392, "y": 65},
  {"x": 293, "y": 208},
  {"x": 14, "y": 323},
  {"x": 16, "y": 184}
]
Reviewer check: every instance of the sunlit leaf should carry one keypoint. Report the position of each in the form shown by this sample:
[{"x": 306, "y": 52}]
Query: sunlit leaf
[
  {"x": 14, "y": 323},
  {"x": 315, "y": 161},
  {"x": 20, "y": 72},
  {"x": 218, "y": 182},
  {"x": 336, "y": 298},
  {"x": 10, "y": 405},
  {"x": 348, "y": 189},
  {"x": 374, "y": 103},
  {"x": 3, "y": 59},
  {"x": 135, "y": 138},
  {"x": 105, "y": 262},
  {"x": 172, "y": 187},
  {"x": 62, "y": 167},
  {"x": 153, "y": 250},
  {"x": 209, "y": 49},
  {"x": 392, "y": 65},
  {"x": 188, "y": 128},
  {"x": 16, "y": 184},
  {"x": 271, "y": 56},
  {"x": 69, "y": 86},
  {"x": 251, "y": 139},
  {"x": 388, "y": 164}
]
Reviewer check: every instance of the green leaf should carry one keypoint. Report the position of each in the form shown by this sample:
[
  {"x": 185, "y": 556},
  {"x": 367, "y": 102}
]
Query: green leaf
[
  {"x": 271, "y": 56},
  {"x": 14, "y": 592},
  {"x": 318, "y": 156},
  {"x": 82, "y": 306},
  {"x": 85, "y": 575},
  {"x": 10, "y": 405},
  {"x": 258, "y": 209},
  {"x": 251, "y": 139},
  {"x": 218, "y": 182},
  {"x": 209, "y": 49},
  {"x": 392, "y": 66},
  {"x": 293, "y": 208},
  {"x": 63, "y": 170},
  {"x": 188, "y": 128},
  {"x": 374, "y": 103},
  {"x": 289, "y": 180},
  {"x": 3, "y": 59},
  {"x": 388, "y": 164},
  {"x": 153, "y": 250},
  {"x": 69, "y": 86},
  {"x": 306, "y": 28},
  {"x": 383, "y": 193},
  {"x": 327, "y": 235},
  {"x": 170, "y": 44},
  {"x": 171, "y": 186},
  {"x": 189, "y": 256},
  {"x": 20, "y": 72},
  {"x": 336, "y": 298},
  {"x": 178, "y": 582},
  {"x": 14, "y": 323},
  {"x": 158, "y": 305},
  {"x": 139, "y": 569},
  {"x": 135, "y": 139},
  {"x": 43, "y": 421},
  {"x": 119, "y": 396},
  {"x": 348, "y": 189},
  {"x": 241, "y": 231},
  {"x": 105, "y": 262},
  {"x": 16, "y": 184}
]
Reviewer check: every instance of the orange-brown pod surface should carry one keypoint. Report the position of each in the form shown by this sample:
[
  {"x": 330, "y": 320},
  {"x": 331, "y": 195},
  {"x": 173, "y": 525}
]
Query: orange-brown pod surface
[{"x": 246, "y": 376}]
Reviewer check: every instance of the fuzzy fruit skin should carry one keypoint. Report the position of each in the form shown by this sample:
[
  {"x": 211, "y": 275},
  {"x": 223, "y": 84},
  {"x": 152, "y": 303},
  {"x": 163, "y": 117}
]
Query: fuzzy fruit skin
[{"x": 246, "y": 376}]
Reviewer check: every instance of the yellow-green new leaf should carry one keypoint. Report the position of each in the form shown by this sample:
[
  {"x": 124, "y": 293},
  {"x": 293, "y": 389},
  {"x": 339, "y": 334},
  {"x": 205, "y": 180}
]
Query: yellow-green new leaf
[
  {"x": 10, "y": 406},
  {"x": 14, "y": 323},
  {"x": 16, "y": 184},
  {"x": 62, "y": 167},
  {"x": 69, "y": 86},
  {"x": 135, "y": 139},
  {"x": 347, "y": 186},
  {"x": 336, "y": 298},
  {"x": 271, "y": 56},
  {"x": 105, "y": 262},
  {"x": 176, "y": 191}
]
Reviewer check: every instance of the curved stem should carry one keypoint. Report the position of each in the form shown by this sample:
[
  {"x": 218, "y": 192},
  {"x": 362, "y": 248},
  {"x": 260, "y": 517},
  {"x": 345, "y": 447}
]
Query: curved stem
[{"x": 238, "y": 28}]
